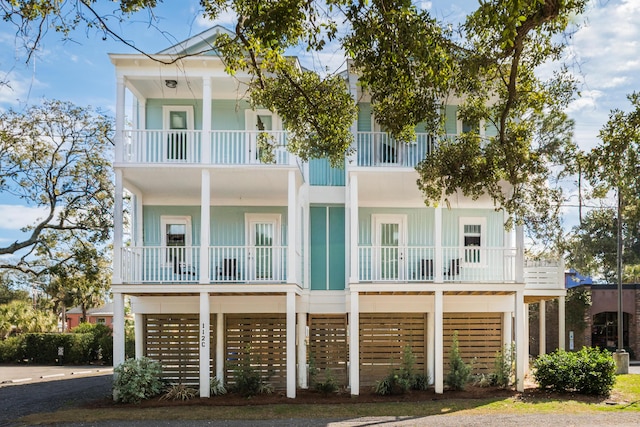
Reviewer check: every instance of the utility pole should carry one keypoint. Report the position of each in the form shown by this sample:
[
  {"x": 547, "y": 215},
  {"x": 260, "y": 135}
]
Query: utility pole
[{"x": 621, "y": 357}]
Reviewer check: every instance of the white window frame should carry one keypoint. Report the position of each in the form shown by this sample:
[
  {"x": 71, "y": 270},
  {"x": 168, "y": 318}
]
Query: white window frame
[
  {"x": 178, "y": 220},
  {"x": 482, "y": 222},
  {"x": 481, "y": 125},
  {"x": 168, "y": 109}
]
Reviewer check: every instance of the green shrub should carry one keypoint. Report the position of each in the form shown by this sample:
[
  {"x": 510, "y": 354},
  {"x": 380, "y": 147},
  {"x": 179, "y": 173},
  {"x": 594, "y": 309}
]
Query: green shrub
[
  {"x": 459, "y": 372},
  {"x": 179, "y": 392},
  {"x": 329, "y": 385},
  {"x": 43, "y": 348},
  {"x": 588, "y": 371},
  {"x": 216, "y": 387},
  {"x": 503, "y": 374},
  {"x": 403, "y": 379},
  {"x": 102, "y": 342},
  {"x": 248, "y": 380},
  {"x": 11, "y": 349},
  {"x": 137, "y": 379}
]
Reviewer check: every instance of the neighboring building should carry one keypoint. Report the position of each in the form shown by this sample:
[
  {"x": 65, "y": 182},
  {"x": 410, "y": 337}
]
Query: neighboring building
[
  {"x": 297, "y": 261},
  {"x": 101, "y": 315}
]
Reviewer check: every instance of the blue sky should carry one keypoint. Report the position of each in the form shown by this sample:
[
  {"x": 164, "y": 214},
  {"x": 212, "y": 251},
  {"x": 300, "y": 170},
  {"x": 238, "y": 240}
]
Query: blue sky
[{"x": 604, "y": 53}]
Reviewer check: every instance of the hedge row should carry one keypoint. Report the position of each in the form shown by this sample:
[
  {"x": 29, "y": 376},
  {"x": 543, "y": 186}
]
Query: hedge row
[{"x": 43, "y": 348}]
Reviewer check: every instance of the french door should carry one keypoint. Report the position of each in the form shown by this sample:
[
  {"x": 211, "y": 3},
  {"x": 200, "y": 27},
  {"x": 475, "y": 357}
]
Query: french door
[
  {"x": 389, "y": 247},
  {"x": 263, "y": 247}
]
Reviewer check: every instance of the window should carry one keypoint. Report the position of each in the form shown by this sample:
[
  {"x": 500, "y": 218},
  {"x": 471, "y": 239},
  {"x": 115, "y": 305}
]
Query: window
[
  {"x": 101, "y": 320},
  {"x": 177, "y": 121},
  {"x": 472, "y": 232},
  {"x": 176, "y": 236}
]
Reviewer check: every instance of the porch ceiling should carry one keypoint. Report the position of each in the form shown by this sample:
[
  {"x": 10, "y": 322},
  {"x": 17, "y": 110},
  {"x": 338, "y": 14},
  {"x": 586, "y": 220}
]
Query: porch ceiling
[
  {"x": 235, "y": 186},
  {"x": 396, "y": 187}
]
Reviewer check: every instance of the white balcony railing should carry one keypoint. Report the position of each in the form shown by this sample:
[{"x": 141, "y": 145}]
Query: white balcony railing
[
  {"x": 227, "y": 264},
  {"x": 417, "y": 264},
  {"x": 379, "y": 149},
  {"x": 544, "y": 274},
  {"x": 213, "y": 148}
]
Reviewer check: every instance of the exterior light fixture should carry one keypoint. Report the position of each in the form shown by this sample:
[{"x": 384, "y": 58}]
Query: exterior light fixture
[{"x": 171, "y": 84}]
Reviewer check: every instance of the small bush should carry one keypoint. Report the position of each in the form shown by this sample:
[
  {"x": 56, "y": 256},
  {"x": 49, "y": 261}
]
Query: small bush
[
  {"x": 459, "y": 372},
  {"x": 179, "y": 392},
  {"x": 588, "y": 371},
  {"x": 137, "y": 379},
  {"x": 102, "y": 343},
  {"x": 216, "y": 387},
  {"x": 248, "y": 380},
  {"x": 328, "y": 386},
  {"x": 403, "y": 379},
  {"x": 503, "y": 374}
]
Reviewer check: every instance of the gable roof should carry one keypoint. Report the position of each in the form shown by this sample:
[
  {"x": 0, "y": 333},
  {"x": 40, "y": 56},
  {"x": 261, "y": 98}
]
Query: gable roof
[
  {"x": 198, "y": 43},
  {"x": 105, "y": 310}
]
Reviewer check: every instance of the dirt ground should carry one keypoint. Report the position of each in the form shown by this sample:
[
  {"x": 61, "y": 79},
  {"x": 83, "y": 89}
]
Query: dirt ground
[{"x": 366, "y": 396}]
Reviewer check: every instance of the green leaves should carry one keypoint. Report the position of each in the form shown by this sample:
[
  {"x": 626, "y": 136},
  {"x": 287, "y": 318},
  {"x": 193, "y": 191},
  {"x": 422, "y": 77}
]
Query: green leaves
[{"x": 57, "y": 157}]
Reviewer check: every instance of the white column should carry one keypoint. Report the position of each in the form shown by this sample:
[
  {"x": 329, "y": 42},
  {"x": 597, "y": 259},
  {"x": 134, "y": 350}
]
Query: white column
[
  {"x": 542, "y": 327},
  {"x": 507, "y": 331},
  {"x": 116, "y": 278},
  {"x": 138, "y": 325},
  {"x": 292, "y": 215},
  {"x": 205, "y": 345},
  {"x": 561, "y": 323},
  {"x": 138, "y": 236},
  {"x": 142, "y": 113},
  {"x": 527, "y": 328},
  {"x": 220, "y": 350},
  {"x": 437, "y": 241},
  {"x": 302, "y": 350},
  {"x": 431, "y": 349},
  {"x": 354, "y": 344},
  {"x": 118, "y": 328},
  {"x": 438, "y": 306},
  {"x": 353, "y": 228},
  {"x": 120, "y": 112},
  {"x": 519, "y": 254},
  {"x": 520, "y": 335},
  {"x": 205, "y": 215},
  {"x": 291, "y": 345},
  {"x": 206, "y": 120}
]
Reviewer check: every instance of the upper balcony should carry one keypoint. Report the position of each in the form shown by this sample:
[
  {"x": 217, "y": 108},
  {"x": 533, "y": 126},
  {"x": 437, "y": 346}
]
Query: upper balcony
[
  {"x": 216, "y": 147},
  {"x": 379, "y": 149}
]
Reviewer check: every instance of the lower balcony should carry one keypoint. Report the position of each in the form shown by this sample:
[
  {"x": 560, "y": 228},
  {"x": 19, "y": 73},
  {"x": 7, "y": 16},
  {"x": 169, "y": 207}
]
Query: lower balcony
[
  {"x": 226, "y": 264},
  {"x": 419, "y": 264}
]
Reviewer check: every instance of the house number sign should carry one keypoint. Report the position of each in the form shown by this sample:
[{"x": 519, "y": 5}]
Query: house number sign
[{"x": 202, "y": 337}]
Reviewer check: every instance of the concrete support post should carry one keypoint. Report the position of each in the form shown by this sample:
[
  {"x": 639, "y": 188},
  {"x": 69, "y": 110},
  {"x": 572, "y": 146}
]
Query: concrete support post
[
  {"x": 438, "y": 307},
  {"x": 507, "y": 329},
  {"x": 138, "y": 325},
  {"x": 519, "y": 268},
  {"x": 431, "y": 353},
  {"x": 118, "y": 331},
  {"x": 542, "y": 327},
  {"x": 303, "y": 381},
  {"x": 205, "y": 345},
  {"x": 520, "y": 335},
  {"x": 354, "y": 344},
  {"x": 291, "y": 344},
  {"x": 220, "y": 350}
]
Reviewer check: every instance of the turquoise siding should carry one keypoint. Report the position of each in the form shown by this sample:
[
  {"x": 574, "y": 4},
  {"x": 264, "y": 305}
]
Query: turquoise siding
[
  {"x": 451, "y": 226},
  {"x": 225, "y": 114},
  {"x": 328, "y": 251},
  {"x": 450, "y": 119},
  {"x": 364, "y": 117},
  {"x": 321, "y": 173},
  {"x": 420, "y": 225},
  {"x": 227, "y": 223},
  {"x": 154, "y": 111}
]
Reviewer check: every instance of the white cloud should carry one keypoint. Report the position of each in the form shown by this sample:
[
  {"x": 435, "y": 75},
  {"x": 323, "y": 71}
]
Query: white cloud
[
  {"x": 15, "y": 217},
  {"x": 588, "y": 100}
]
